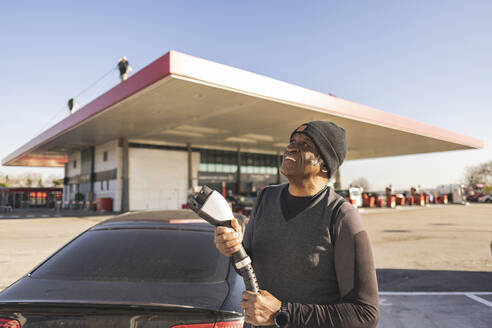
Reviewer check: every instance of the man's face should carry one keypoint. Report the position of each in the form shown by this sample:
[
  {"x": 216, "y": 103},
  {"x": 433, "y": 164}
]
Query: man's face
[{"x": 301, "y": 158}]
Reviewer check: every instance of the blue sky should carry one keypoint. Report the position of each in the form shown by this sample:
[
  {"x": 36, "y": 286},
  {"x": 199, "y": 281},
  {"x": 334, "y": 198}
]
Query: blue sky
[{"x": 426, "y": 60}]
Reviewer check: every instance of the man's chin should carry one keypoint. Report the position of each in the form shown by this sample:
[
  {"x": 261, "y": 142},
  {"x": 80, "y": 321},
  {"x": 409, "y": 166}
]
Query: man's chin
[{"x": 289, "y": 174}]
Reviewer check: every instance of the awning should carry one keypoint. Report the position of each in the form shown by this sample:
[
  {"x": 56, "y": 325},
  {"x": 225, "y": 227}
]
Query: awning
[{"x": 180, "y": 99}]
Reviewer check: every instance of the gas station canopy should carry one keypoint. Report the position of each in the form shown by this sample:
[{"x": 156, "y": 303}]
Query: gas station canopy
[{"x": 180, "y": 99}]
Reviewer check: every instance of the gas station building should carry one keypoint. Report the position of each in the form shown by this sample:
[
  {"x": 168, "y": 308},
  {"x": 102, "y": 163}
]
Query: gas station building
[{"x": 182, "y": 121}]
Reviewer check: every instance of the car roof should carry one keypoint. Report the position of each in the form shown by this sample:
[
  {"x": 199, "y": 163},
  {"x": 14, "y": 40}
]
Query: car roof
[{"x": 156, "y": 219}]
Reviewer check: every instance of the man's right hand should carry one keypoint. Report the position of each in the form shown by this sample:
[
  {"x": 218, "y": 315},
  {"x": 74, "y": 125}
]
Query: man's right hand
[{"x": 227, "y": 240}]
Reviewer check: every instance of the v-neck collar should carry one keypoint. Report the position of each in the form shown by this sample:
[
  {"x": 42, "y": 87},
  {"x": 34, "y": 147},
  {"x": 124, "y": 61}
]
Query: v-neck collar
[{"x": 316, "y": 200}]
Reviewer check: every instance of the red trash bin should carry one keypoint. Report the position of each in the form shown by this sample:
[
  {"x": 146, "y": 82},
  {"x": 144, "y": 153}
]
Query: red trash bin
[
  {"x": 380, "y": 202},
  {"x": 105, "y": 204},
  {"x": 368, "y": 201},
  {"x": 400, "y": 200}
]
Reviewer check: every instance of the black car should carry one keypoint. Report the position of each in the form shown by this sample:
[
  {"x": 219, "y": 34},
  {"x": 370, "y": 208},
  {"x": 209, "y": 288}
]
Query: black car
[{"x": 148, "y": 269}]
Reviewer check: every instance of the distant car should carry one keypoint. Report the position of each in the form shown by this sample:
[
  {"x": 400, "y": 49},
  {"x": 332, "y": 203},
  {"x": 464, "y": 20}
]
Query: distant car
[
  {"x": 148, "y": 269},
  {"x": 241, "y": 204},
  {"x": 353, "y": 195},
  {"x": 485, "y": 199}
]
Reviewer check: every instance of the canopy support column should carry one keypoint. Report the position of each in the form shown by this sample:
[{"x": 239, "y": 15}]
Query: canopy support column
[
  {"x": 238, "y": 172},
  {"x": 125, "y": 192}
]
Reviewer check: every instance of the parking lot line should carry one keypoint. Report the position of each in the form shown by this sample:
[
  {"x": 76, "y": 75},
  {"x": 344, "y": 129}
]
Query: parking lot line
[
  {"x": 433, "y": 293},
  {"x": 472, "y": 295},
  {"x": 479, "y": 299}
]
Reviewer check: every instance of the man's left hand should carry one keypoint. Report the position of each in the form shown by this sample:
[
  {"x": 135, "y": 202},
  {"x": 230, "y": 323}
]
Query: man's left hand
[{"x": 260, "y": 308}]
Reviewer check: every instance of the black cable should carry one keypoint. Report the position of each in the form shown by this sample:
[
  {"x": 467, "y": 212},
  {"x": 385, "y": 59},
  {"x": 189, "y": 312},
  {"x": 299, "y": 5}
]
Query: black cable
[
  {"x": 227, "y": 296},
  {"x": 78, "y": 95},
  {"x": 94, "y": 83}
]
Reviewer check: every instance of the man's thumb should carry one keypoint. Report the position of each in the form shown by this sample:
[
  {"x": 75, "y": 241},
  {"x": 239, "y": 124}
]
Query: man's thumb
[{"x": 235, "y": 225}]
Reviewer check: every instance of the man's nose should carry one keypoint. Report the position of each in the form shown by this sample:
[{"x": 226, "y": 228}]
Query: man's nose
[{"x": 293, "y": 146}]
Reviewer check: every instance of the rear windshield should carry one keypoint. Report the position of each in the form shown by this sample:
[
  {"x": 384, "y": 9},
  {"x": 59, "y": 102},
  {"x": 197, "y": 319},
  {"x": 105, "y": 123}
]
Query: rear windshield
[
  {"x": 138, "y": 255},
  {"x": 355, "y": 193}
]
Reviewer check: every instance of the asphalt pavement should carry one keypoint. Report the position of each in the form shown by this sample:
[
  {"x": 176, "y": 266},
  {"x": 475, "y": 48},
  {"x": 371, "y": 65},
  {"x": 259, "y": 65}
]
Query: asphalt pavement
[{"x": 434, "y": 264}]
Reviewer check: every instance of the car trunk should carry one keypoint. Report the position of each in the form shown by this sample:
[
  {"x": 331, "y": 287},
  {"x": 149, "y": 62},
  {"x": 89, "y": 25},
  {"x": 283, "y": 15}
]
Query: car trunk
[
  {"x": 68, "y": 315},
  {"x": 206, "y": 296}
]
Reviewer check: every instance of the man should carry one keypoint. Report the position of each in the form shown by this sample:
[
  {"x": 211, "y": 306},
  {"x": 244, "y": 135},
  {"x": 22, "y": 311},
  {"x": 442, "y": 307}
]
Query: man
[{"x": 310, "y": 252}]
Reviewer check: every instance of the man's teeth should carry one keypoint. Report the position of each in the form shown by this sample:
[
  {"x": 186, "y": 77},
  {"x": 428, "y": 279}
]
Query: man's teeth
[{"x": 291, "y": 158}]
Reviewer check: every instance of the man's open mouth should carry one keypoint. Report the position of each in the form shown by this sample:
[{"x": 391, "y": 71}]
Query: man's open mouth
[{"x": 290, "y": 158}]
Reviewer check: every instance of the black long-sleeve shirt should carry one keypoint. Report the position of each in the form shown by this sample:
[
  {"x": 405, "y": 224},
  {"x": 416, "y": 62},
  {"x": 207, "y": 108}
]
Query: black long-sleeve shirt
[{"x": 323, "y": 285}]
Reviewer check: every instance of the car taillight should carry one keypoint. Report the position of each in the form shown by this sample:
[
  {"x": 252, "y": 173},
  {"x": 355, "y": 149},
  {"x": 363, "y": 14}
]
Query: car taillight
[
  {"x": 218, "y": 324},
  {"x": 9, "y": 323}
]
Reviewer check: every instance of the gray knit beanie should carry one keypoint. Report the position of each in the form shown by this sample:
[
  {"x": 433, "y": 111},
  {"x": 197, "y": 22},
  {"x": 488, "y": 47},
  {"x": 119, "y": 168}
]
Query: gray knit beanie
[{"x": 329, "y": 139}]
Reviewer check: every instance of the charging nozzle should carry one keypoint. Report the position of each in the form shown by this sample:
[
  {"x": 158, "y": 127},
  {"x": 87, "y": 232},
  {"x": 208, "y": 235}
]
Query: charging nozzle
[{"x": 212, "y": 207}]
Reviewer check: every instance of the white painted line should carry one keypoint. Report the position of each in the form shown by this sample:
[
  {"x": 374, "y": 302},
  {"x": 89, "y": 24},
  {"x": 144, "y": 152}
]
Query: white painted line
[
  {"x": 479, "y": 299},
  {"x": 433, "y": 293},
  {"x": 29, "y": 216},
  {"x": 382, "y": 302}
]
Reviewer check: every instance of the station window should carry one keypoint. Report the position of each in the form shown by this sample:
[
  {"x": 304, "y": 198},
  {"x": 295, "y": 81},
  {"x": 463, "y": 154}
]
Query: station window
[
  {"x": 218, "y": 161},
  {"x": 105, "y": 156},
  {"x": 226, "y": 162},
  {"x": 102, "y": 185},
  {"x": 107, "y": 184},
  {"x": 75, "y": 164}
]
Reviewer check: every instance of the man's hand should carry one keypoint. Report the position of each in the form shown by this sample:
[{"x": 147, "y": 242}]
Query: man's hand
[
  {"x": 260, "y": 308},
  {"x": 227, "y": 240}
]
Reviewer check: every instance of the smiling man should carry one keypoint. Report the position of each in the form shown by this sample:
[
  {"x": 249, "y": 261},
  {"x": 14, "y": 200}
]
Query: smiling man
[{"x": 310, "y": 251}]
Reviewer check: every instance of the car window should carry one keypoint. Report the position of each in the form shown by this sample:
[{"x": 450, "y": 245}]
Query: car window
[
  {"x": 343, "y": 193},
  {"x": 138, "y": 255}
]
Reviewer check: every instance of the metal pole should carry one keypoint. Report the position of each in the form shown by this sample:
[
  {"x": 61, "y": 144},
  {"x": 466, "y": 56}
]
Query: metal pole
[
  {"x": 125, "y": 193},
  {"x": 238, "y": 172},
  {"x": 190, "y": 177},
  {"x": 338, "y": 181},
  {"x": 92, "y": 176},
  {"x": 279, "y": 162}
]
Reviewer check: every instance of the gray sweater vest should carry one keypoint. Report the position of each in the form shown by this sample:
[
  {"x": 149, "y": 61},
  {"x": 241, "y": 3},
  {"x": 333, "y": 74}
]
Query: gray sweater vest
[{"x": 293, "y": 260}]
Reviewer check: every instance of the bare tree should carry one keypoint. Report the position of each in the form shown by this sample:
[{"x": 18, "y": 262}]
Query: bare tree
[
  {"x": 361, "y": 182},
  {"x": 482, "y": 173},
  {"x": 55, "y": 181},
  {"x": 4, "y": 180},
  {"x": 30, "y": 179}
]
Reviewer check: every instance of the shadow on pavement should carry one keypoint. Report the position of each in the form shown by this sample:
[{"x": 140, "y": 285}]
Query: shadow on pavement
[{"x": 403, "y": 280}]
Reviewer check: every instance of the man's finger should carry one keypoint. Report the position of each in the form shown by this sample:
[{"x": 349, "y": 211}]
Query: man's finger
[
  {"x": 222, "y": 230},
  {"x": 231, "y": 244},
  {"x": 229, "y": 236},
  {"x": 248, "y": 295}
]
